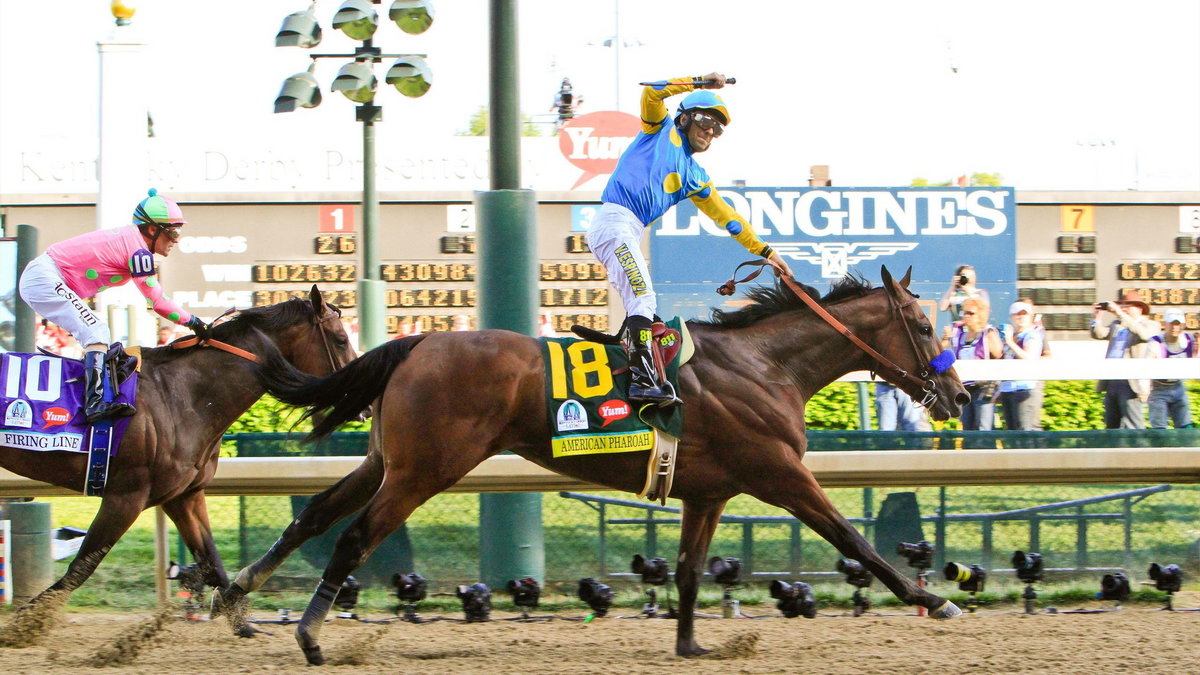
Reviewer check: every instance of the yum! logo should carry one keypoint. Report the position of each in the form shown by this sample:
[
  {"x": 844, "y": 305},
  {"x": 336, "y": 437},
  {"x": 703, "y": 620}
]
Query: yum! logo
[
  {"x": 53, "y": 417},
  {"x": 613, "y": 410},
  {"x": 594, "y": 142}
]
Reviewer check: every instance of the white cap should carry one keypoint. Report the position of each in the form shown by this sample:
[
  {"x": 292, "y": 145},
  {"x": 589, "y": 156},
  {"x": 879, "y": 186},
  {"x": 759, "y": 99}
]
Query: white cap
[
  {"x": 1018, "y": 307},
  {"x": 1173, "y": 316}
]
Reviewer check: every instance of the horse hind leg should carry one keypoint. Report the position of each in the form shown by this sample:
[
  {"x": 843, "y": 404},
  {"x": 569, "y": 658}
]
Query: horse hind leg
[
  {"x": 115, "y": 516},
  {"x": 323, "y": 512},
  {"x": 801, "y": 495},
  {"x": 387, "y": 510}
]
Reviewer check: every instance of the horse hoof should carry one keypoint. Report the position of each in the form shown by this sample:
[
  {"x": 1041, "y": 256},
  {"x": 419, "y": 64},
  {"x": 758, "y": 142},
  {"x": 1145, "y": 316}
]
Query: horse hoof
[
  {"x": 948, "y": 610},
  {"x": 692, "y": 650},
  {"x": 224, "y": 600},
  {"x": 313, "y": 655},
  {"x": 247, "y": 631}
]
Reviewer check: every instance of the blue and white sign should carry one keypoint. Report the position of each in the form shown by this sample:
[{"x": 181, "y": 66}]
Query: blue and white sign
[
  {"x": 827, "y": 232},
  {"x": 582, "y": 215}
]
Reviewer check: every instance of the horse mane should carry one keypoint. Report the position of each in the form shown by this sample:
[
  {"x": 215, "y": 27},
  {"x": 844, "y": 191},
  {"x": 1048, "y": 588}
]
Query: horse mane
[
  {"x": 269, "y": 320},
  {"x": 771, "y": 300}
]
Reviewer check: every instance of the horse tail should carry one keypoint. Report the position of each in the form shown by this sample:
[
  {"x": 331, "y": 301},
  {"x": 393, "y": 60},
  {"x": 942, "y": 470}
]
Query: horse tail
[{"x": 343, "y": 395}]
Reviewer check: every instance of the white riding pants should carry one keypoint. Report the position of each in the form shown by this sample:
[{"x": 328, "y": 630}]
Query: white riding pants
[
  {"x": 42, "y": 286},
  {"x": 615, "y": 238}
]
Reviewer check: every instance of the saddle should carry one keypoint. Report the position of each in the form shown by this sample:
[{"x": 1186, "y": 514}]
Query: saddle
[{"x": 665, "y": 345}]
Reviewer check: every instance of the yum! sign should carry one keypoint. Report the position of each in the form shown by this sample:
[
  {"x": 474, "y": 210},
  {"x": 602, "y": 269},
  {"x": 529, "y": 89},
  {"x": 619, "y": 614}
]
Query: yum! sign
[{"x": 594, "y": 142}]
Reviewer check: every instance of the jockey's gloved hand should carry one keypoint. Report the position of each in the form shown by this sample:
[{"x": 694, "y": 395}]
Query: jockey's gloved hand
[{"x": 197, "y": 326}]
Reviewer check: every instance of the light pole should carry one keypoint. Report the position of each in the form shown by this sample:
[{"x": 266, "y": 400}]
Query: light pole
[{"x": 356, "y": 80}]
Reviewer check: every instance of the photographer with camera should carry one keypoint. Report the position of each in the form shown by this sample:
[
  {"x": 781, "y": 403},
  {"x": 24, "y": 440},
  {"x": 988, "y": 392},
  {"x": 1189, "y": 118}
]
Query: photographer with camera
[
  {"x": 962, "y": 286},
  {"x": 975, "y": 338},
  {"x": 1129, "y": 334}
]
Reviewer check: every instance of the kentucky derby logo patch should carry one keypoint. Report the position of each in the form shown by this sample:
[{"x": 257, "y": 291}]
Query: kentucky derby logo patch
[
  {"x": 19, "y": 414},
  {"x": 571, "y": 417}
]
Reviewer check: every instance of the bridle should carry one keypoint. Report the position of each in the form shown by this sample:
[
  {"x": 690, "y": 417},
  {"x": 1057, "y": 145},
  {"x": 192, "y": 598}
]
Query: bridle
[
  {"x": 318, "y": 322},
  {"x": 923, "y": 379}
]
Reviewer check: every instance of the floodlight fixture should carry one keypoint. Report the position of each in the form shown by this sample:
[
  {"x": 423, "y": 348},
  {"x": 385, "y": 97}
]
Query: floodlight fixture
[
  {"x": 795, "y": 599},
  {"x": 356, "y": 81},
  {"x": 476, "y": 602},
  {"x": 411, "y": 76},
  {"x": 357, "y": 19},
  {"x": 412, "y": 16},
  {"x": 299, "y": 29},
  {"x": 299, "y": 91}
]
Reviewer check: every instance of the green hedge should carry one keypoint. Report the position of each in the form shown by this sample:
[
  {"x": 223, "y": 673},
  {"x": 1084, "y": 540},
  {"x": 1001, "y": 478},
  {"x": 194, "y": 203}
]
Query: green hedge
[{"x": 1068, "y": 406}]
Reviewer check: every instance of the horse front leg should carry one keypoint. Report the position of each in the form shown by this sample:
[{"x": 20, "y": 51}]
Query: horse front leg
[
  {"x": 189, "y": 512},
  {"x": 806, "y": 500},
  {"x": 700, "y": 520},
  {"x": 323, "y": 512}
]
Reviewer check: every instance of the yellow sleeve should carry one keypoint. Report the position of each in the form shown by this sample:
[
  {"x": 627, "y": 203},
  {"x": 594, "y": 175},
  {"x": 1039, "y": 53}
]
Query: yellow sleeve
[
  {"x": 708, "y": 201},
  {"x": 654, "y": 111}
]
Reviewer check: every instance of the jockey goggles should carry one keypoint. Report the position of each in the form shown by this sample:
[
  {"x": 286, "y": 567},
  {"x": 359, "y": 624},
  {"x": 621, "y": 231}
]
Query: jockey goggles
[
  {"x": 707, "y": 122},
  {"x": 172, "y": 230}
]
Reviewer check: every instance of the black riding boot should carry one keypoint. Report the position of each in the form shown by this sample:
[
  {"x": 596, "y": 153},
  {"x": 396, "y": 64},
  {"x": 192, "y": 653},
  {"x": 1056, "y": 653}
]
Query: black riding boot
[
  {"x": 94, "y": 406},
  {"x": 643, "y": 376}
]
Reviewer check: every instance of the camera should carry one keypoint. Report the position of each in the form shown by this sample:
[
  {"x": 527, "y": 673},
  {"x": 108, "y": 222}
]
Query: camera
[
  {"x": 919, "y": 555},
  {"x": 598, "y": 596},
  {"x": 795, "y": 599},
  {"x": 1168, "y": 578},
  {"x": 1028, "y": 566},
  {"x": 410, "y": 588},
  {"x": 856, "y": 574},
  {"x": 963, "y": 280},
  {"x": 1104, "y": 306}
]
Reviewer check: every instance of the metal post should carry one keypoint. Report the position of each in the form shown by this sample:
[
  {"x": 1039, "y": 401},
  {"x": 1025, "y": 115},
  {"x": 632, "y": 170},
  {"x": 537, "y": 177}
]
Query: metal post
[
  {"x": 940, "y": 529},
  {"x": 26, "y": 320},
  {"x": 1081, "y": 540},
  {"x": 372, "y": 321},
  {"x": 32, "y": 568},
  {"x": 162, "y": 547},
  {"x": 507, "y": 287},
  {"x": 748, "y": 547},
  {"x": 1128, "y": 510},
  {"x": 651, "y": 534}
]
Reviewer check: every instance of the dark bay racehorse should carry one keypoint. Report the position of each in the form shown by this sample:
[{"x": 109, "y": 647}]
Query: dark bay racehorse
[
  {"x": 448, "y": 401},
  {"x": 186, "y": 400}
]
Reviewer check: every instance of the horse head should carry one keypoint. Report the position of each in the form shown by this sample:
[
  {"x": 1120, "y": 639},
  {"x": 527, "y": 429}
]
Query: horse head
[
  {"x": 318, "y": 345},
  {"x": 916, "y": 350}
]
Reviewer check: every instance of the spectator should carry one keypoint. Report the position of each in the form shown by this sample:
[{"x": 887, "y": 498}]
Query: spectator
[
  {"x": 962, "y": 286},
  {"x": 1168, "y": 398},
  {"x": 1129, "y": 334},
  {"x": 894, "y": 410},
  {"x": 1019, "y": 402},
  {"x": 975, "y": 338},
  {"x": 461, "y": 322},
  {"x": 546, "y": 325},
  {"x": 166, "y": 334}
]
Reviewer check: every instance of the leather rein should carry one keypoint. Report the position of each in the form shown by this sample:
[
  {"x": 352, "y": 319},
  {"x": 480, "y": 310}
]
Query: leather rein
[
  {"x": 923, "y": 379},
  {"x": 196, "y": 341}
]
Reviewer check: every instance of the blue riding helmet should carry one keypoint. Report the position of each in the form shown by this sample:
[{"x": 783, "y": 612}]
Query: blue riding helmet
[{"x": 704, "y": 100}]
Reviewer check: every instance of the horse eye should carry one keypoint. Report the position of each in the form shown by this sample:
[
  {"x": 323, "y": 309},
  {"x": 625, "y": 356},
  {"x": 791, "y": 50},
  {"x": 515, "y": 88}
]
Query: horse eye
[{"x": 926, "y": 329}]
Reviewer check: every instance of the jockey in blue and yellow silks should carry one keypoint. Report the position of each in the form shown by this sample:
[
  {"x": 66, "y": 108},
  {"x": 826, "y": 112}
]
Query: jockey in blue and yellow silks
[{"x": 657, "y": 171}]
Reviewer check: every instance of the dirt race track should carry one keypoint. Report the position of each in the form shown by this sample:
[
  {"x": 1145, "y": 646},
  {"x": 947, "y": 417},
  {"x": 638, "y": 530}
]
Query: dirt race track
[{"x": 1133, "y": 640}]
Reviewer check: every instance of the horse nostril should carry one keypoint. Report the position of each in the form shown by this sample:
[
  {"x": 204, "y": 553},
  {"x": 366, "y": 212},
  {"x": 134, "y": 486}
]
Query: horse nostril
[{"x": 962, "y": 399}]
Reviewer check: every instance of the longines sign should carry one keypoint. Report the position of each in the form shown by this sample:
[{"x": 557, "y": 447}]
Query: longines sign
[{"x": 827, "y": 232}]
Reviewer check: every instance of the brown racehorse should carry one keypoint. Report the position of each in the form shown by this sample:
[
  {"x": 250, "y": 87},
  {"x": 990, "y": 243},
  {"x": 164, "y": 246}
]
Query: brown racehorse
[
  {"x": 186, "y": 399},
  {"x": 447, "y": 401}
]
